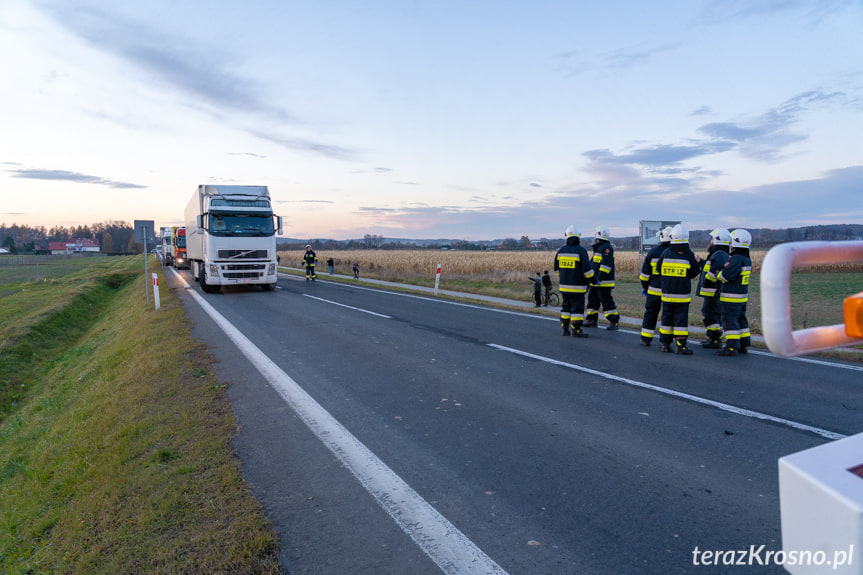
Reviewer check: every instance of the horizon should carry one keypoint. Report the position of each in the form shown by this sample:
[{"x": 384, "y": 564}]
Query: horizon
[{"x": 445, "y": 120}]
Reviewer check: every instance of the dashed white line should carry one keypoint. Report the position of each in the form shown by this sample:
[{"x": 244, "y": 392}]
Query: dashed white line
[
  {"x": 723, "y": 406},
  {"x": 348, "y": 306}
]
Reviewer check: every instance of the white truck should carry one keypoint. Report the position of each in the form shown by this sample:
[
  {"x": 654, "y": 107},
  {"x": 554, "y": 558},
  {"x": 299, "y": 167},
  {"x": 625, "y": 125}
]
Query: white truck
[{"x": 231, "y": 237}]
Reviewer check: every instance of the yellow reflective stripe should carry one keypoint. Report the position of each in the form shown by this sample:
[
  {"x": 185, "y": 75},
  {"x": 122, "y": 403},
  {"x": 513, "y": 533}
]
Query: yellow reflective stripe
[
  {"x": 676, "y": 299},
  {"x": 734, "y": 298},
  {"x": 568, "y": 262}
]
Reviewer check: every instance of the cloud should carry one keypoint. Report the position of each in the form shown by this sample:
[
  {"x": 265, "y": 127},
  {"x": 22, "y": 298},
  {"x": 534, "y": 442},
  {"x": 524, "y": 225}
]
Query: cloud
[
  {"x": 576, "y": 62},
  {"x": 63, "y": 175},
  {"x": 200, "y": 72},
  {"x": 719, "y": 11}
]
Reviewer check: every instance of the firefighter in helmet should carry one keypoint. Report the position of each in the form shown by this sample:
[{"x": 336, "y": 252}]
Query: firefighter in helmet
[{"x": 575, "y": 271}]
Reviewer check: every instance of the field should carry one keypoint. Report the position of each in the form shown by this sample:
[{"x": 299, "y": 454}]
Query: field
[
  {"x": 817, "y": 293},
  {"x": 115, "y": 435}
]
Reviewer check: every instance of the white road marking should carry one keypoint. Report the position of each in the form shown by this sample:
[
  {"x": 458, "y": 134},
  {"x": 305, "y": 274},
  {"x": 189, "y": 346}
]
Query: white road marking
[
  {"x": 723, "y": 406},
  {"x": 348, "y": 306},
  {"x": 448, "y": 547}
]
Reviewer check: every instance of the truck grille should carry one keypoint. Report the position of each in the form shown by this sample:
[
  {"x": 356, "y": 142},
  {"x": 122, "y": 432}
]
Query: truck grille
[
  {"x": 243, "y": 271},
  {"x": 242, "y": 254}
]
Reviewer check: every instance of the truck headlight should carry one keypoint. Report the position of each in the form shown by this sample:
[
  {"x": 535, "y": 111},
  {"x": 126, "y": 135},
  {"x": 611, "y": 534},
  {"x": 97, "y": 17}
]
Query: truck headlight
[
  {"x": 272, "y": 270},
  {"x": 214, "y": 270}
]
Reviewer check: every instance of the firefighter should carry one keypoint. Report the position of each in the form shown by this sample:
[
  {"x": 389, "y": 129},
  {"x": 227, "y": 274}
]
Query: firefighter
[
  {"x": 709, "y": 286},
  {"x": 735, "y": 293},
  {"x": 600, "y": 291},
  {"x": 677, "y": 267},
  {"x": 650, "y": 284},
  {"x": 574, "y": 271},
  {"x": 310, "y": 259}
]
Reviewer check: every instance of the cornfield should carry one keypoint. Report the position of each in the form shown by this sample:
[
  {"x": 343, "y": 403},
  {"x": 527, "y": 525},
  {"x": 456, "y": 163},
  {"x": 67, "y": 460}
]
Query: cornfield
[{"x": 494, "y": 266}]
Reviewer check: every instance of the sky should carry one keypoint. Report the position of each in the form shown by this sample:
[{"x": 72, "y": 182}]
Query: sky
[{"x": 446, "y": 119}]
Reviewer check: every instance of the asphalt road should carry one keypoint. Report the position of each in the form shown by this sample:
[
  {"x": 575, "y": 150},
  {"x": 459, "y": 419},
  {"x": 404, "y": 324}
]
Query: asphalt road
[{"x": 548, "y": 454}]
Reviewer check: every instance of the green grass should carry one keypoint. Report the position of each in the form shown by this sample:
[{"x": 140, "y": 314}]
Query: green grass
[{"x": 115, "y": 452}]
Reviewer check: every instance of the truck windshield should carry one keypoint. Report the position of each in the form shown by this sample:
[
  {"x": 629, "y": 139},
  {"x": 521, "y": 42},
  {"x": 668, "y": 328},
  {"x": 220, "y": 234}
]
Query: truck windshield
[
  {"x": 181, "y": 241},
  {"x": 241, "y": 225}
]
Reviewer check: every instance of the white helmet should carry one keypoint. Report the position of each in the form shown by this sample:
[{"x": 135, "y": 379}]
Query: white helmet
[
  {"x": 601, "y": 233},
  {"x": 720, "y": 237},
  {"x": 740, "y": 239},
  {"x": 679, "y": 234},
  {"x": 665, "y": 234},
  {"x": 571, "y": 231}
]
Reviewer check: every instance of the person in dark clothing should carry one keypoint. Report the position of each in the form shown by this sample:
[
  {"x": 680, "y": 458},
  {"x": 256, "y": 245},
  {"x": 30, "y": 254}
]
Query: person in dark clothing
[
  {"x": 678, "y": 267},
  {"x": 330, "y": 264},
  {"x": 546, "y": 283},
  {"x": 537, "y": 288},
  {"x": 651, "y": 288},
  {"x": 709, "y": 286},
  {"x": 600, "y": 291},
  {"x": 310, "y": 259},
  {"x": 575, "y": 271},
  {"x": 356, "y": 270},
  {"x": 735, "y": 293}
]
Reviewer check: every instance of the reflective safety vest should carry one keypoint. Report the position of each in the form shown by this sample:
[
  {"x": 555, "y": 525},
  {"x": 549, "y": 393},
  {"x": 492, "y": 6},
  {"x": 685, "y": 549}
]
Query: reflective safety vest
[
  {"x": 677, "y": 267},
  {"x": 735, "y": 277}
]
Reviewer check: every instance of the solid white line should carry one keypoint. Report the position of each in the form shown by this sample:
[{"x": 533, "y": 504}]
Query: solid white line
[
  {"x": 724, "y": 406},
  {"x": 348, "y": 306},
  {"x": 448, "y": 547}
]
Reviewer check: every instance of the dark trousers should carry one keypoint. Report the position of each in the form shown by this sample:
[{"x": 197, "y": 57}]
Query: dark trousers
[
  {"x": 572, "y": 309},
  {"x": 711, "y": 311},
  {"x": 537, "y": 297},
  {"x": 736, "y": 325},
  {"x": 675, "y": 321},
  {"x": 601, "y": 296},
  {"x": 652, "y": 307},
  {"x": 310, "y": 271}
]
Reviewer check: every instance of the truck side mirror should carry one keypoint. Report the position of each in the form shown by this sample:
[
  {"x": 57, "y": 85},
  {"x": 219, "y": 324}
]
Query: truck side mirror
[
  {"x": 199, "y": 219},
  {"x": 279, "y": 224}
]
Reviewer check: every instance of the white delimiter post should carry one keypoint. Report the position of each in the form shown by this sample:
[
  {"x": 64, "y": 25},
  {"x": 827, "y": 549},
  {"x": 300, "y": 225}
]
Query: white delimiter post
[
  {"x": 437, "y": 279},
  {"x": 156, "y": 290}
]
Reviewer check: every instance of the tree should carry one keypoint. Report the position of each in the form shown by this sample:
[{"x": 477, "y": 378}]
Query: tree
[
  {"x": 107, "y": 243},
  {"x": 9, "y": 243}
]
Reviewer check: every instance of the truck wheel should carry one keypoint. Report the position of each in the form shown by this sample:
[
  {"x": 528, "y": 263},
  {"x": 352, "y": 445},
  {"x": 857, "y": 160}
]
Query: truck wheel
[
  {"x": 204, "y": 285},
  {"x": 268, "y": 287}
]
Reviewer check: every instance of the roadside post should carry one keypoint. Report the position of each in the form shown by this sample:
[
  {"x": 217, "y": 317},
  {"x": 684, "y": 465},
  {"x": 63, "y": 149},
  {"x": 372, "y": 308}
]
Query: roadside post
[
  {"x": 156, "y": 289},
  {"x": 437, "y": 279}
]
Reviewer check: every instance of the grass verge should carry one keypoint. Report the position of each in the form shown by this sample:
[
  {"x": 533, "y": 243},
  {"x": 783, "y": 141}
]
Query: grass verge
[{"x": 115, "y": 439}]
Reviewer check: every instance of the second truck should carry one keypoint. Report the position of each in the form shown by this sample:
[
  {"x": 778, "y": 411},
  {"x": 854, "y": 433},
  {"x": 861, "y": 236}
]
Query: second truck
[{"x": 231, "y": 237}]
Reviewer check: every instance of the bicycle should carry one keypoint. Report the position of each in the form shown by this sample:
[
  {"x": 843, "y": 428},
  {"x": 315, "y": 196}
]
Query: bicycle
[{"x": 553, "y": 298}]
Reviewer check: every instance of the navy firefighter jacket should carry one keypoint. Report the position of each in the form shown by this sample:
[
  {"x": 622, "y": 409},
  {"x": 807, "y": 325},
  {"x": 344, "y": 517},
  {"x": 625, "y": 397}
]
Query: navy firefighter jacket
[
  {"x": 572, "y": 265},
  {"x": 678, "y": 268},
  {"x": 603, "y": 263},
  {"x": 650, "y": 278},
  {"x": 735, "y": 277},
  {"x": 708, "y": 283}
]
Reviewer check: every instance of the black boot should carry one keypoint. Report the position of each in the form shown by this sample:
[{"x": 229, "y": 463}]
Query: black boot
[
  {"x": 680, "y": 347},
  {"x": 614, "y": 325},
  {"x": 576, "y": 329},
  {"x": 664, "y": 347},
  {"x": 591, "y": 321},
  {"x": 727, "y": 352},
  {"x": 645, "y": 341},
  {"x": 711, "y": 344}
]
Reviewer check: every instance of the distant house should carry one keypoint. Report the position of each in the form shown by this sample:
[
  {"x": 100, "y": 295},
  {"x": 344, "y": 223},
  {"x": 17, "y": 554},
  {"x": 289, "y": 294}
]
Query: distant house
[
  {"x": 4, "y": 251},
  {"x": 74, "y": 246}
]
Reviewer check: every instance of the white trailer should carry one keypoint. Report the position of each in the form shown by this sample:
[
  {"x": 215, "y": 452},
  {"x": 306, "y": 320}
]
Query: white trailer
[{"x": 231, "y": 236}]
